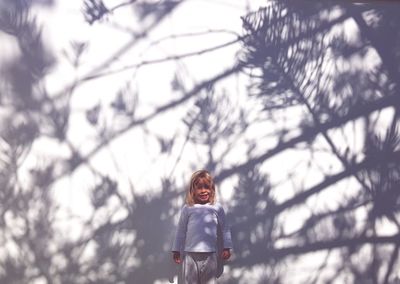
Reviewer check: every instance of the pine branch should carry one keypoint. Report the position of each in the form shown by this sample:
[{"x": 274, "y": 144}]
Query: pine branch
[
  {"x": 332, "y": 244},
  {"x": 310, "y": 133}
]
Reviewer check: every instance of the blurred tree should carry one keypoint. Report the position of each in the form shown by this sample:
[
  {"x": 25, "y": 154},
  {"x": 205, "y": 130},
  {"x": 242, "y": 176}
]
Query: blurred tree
[
  {"x": 299, "y": 59},
  {"x": 310, "y": 149}
]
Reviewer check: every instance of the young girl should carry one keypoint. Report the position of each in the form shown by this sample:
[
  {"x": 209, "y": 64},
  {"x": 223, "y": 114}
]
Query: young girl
[{"x": 201, "y": 222}]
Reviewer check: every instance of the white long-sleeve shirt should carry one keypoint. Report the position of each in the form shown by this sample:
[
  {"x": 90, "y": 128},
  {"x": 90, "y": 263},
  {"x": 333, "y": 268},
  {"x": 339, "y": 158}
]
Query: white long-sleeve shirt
[{"x": 198, "y": 229}]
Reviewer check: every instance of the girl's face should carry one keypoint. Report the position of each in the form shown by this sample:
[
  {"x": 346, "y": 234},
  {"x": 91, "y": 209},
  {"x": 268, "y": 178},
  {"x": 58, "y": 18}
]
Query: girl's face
[{"x": 202, "y": 191}]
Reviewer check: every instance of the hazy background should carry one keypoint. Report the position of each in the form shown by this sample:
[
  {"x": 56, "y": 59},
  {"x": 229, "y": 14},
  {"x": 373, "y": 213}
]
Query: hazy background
[{"x": 107, "y": 107}]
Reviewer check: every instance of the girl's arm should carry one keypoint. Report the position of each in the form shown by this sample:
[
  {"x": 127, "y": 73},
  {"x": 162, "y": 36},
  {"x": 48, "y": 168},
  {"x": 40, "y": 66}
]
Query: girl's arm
[
  {"x": 226, "y": 233},
  {"x": 180, "y": 236},
  {"x": 176, "y": 255},
  {"x": 226, "y": 253}
]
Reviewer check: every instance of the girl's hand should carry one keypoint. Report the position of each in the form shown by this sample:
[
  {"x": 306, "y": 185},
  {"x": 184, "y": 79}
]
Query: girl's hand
[
  {"x": 226, "y": 254},
  {"x": 177, "y": 257}
]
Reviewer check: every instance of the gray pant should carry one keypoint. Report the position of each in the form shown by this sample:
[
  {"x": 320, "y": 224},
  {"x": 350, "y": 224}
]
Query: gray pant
[{"x": 199, "y": 268}]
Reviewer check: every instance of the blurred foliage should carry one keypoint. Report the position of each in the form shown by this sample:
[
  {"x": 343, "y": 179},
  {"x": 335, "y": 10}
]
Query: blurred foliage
[{"x": 317, "y": 97}]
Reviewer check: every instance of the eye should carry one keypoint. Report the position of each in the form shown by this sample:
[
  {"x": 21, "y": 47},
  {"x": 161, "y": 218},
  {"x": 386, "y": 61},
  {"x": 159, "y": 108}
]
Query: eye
[{"x": 203, "y": 186}]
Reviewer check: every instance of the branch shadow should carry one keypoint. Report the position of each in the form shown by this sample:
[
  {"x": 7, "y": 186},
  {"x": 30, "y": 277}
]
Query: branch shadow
[{"x": 300, "y": 63}]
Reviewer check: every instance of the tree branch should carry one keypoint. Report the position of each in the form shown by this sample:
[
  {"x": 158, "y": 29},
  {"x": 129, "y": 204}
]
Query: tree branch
[
  {"x": 171, "y": 105},
  {"x": 310, "y": 133},
  {"x": 332, "y": 244}
]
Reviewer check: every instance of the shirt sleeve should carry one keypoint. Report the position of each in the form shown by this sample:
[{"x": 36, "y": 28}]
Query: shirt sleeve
[
  {"x": 180, "y": 235},
  {"x": 225, "y": 229}
]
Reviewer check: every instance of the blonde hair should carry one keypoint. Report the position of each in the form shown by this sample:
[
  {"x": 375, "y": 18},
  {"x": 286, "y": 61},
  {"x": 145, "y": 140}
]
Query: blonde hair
[{"x": 193, "y": 181}]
